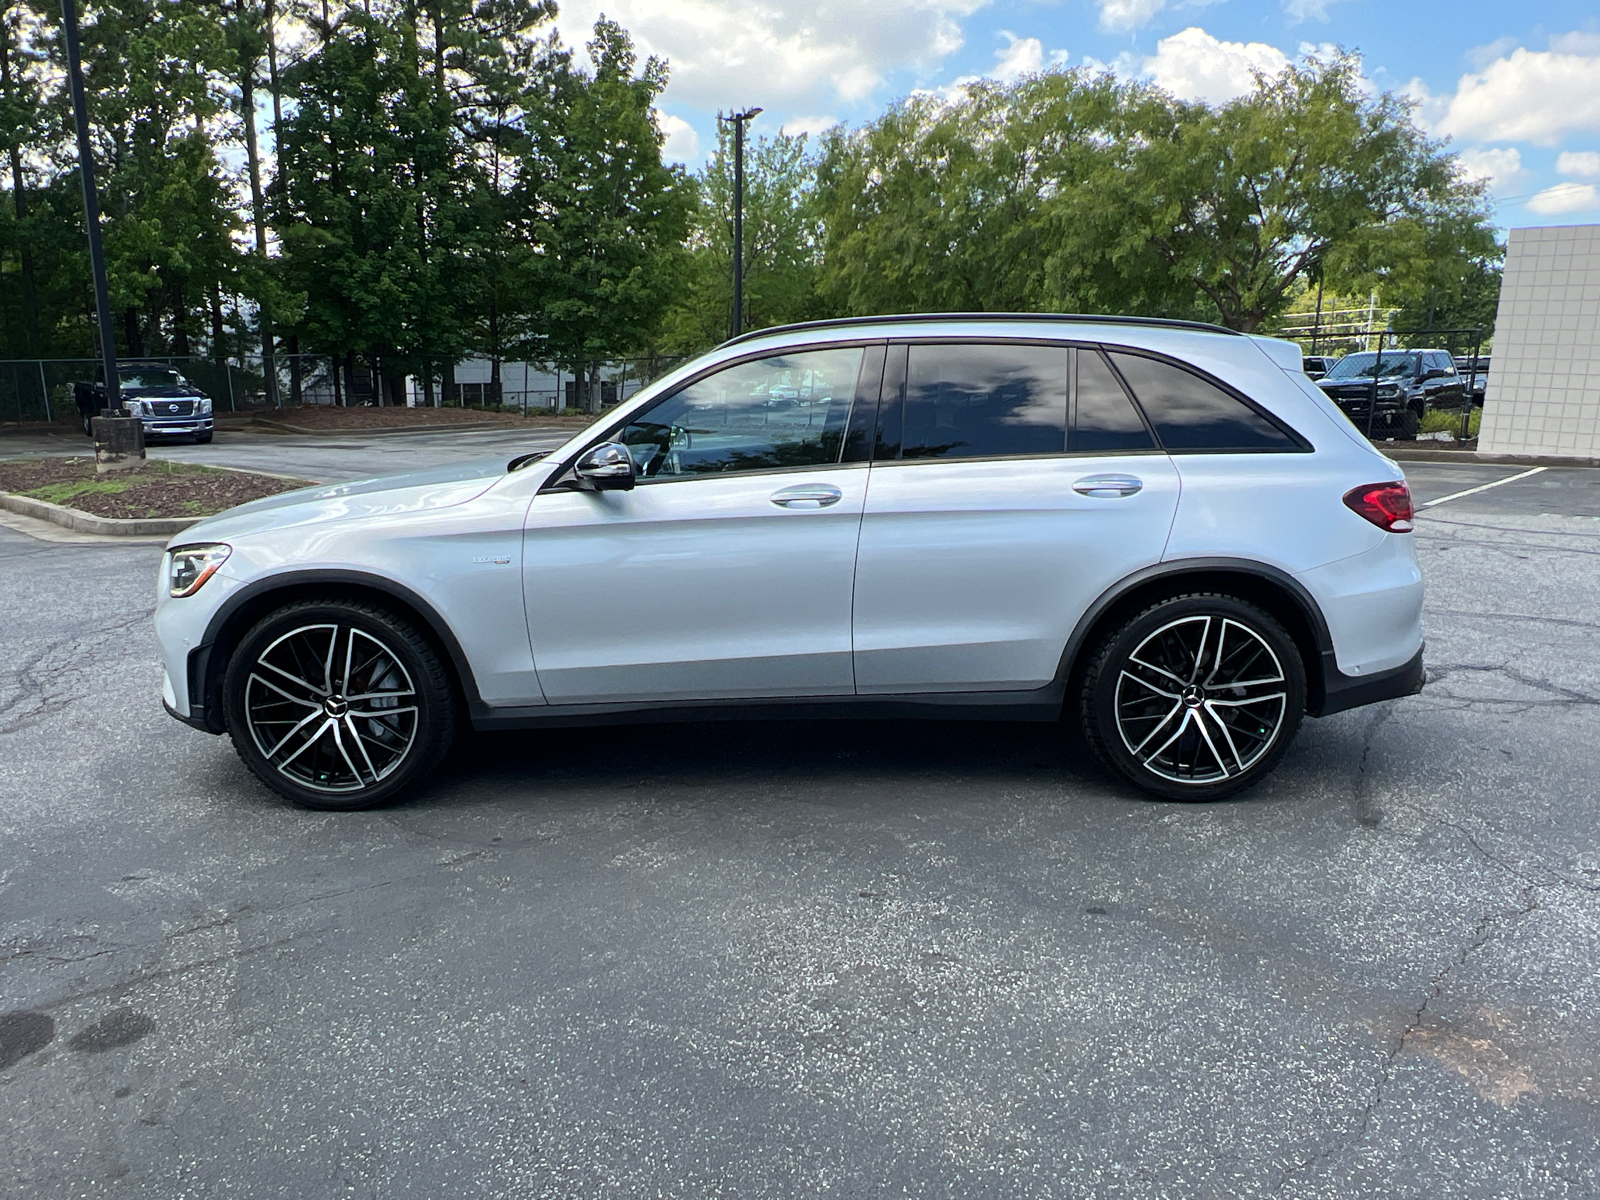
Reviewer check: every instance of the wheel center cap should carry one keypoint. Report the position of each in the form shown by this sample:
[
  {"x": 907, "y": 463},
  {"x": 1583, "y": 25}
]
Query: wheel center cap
[
  {"x": 336, "y": 706},
  {"x": 1193, "y": 695}
]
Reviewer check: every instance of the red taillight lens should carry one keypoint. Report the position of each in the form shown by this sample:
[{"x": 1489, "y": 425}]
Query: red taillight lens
[{"x": 1386, "y": 505}]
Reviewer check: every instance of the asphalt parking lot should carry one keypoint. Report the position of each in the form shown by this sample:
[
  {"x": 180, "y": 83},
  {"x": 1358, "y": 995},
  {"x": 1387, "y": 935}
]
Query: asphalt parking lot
[{"x": 814, "y": 958}]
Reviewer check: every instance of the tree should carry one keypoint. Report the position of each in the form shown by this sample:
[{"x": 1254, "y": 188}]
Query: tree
[
  {"x": 605, "y": 217},
  {"x": 1306, "y": 177},
  {"x": 782, "y": 244}
]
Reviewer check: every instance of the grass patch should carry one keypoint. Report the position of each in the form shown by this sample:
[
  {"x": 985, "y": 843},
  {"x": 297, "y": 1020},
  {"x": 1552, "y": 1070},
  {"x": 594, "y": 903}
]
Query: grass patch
[{"x": 1442, "y": 420}]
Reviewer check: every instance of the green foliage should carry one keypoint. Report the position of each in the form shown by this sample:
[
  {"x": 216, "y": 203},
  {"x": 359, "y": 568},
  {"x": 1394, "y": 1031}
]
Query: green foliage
[
  {"x": 782, "y": 245},
  {"x": 1444, "y": 420}
]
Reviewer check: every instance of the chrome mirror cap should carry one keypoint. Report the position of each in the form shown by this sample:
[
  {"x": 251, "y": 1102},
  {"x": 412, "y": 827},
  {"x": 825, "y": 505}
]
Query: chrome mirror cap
[{"x": 606, "y": 467}]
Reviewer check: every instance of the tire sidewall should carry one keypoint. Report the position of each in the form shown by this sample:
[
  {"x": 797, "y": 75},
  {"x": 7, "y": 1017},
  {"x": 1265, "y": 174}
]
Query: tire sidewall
[
  {"x": 1122, "y": 643},
  {"x": 436, "y": 703}
]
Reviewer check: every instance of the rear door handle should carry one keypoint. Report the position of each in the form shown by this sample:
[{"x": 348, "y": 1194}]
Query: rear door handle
[
  {"x": 1108, "y": 485},
  {"x": 807, "y": 495}
]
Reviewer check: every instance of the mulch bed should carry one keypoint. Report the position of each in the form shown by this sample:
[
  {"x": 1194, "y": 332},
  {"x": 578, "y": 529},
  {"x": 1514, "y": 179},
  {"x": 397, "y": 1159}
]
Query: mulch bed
[
  {"x": 155, "y": 489},
  {"x": 330, "y": 419}
]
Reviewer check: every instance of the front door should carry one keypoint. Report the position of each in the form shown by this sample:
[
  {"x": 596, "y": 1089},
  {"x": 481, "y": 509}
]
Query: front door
[
  {"x": 989, "y": 527},
  {"x": 726, "y": 572}
]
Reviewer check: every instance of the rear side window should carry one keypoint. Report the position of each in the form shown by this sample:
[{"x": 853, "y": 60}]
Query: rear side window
[
  {"x": 982, "y": 400},
  {"x": 1104, "y": 419},
  {"x": 1194, "y": 415}
]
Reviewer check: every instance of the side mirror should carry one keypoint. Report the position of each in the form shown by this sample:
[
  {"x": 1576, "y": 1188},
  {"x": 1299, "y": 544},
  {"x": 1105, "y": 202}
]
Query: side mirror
[
  {"x": 607, "y": 467},
  {"x": 1436, "y": 373}
]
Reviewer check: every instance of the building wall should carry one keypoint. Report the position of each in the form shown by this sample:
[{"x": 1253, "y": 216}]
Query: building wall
[{"x": 1543, "y": 394}]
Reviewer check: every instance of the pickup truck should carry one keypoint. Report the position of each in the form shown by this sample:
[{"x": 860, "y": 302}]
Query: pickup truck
[
  {"x": 167, "y": 403},
  {"x": 1408, "y": 383}
]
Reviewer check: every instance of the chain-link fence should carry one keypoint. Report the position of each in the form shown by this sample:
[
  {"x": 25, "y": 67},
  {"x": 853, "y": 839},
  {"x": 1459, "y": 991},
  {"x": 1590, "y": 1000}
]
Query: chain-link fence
[{"x": 43, "y": 390}]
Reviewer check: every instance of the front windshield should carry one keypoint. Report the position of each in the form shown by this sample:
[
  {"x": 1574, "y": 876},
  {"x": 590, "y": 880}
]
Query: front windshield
[
  {"x": 1361, "y": 366},
  {"x": 150, "y": 377}
]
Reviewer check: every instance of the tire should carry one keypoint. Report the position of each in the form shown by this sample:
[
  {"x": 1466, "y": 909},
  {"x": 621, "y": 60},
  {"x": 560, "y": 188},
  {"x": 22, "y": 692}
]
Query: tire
[
  {"x": 285, "y": 695},
  {"x": 1408, "y": 425},
  {"x": 1215, "y": 731},
  {"x": 201, "y": 439}
]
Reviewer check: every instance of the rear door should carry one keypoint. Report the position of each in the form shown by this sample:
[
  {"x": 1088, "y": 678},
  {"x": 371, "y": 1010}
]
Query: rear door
[{"x": 1012, "y": 483}]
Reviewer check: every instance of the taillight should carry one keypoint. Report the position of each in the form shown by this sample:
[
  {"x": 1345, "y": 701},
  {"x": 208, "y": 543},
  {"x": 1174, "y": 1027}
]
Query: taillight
[{"x": 1386, "y": 505}]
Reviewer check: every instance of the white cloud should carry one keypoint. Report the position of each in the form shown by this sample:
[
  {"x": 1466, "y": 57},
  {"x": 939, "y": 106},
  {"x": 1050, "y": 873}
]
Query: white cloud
[
  {"x": 1481, "y": 56},
  {"x": 1128, "y": 14},
  {"x": 1307, "y": 10},
  {"x": 1537, "y": 96},
  {"x": 1193, "y": 65},
  {"x": 736, "y": 52},
  {"x": 1565, "y": 198},
  {"x": 1022, "y": 56},
  {"x": 810, "y": 126},
  {"x": 683, "y": 143},
  {"x": 1583, "y": 164},
  {"x": 1499, "y": 168}
]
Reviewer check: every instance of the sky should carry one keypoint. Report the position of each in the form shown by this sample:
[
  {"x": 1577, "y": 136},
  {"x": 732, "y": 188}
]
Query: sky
[{"x": 1515, "y": 87}]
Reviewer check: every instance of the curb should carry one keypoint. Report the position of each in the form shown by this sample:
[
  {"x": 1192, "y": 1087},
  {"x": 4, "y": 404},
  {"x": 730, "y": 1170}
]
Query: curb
[
  {"x": 1475, "y": 457},
  {"x": 83, "y": 522},
  {"x": 461, "y": 427}
]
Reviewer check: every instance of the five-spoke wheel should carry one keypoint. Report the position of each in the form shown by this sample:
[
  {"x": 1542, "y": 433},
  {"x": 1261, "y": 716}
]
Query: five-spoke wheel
[
  {"x": 1194, "y": 698},
  {"x": 338, "y": 704}
]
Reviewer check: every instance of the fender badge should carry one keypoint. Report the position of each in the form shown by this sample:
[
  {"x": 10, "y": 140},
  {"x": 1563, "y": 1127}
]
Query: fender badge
[{"x": 499, "y": 560}]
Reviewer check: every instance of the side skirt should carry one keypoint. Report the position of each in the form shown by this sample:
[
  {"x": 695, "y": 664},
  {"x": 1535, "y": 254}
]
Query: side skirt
[{"x": 1042, "y": 705}]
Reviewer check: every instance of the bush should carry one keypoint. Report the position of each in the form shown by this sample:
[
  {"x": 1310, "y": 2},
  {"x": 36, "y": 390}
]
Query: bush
[{"x": 1446, "y": 420}]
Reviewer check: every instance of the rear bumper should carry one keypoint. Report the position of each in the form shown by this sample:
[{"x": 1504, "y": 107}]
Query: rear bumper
[{"x": 1342, "y": 692}]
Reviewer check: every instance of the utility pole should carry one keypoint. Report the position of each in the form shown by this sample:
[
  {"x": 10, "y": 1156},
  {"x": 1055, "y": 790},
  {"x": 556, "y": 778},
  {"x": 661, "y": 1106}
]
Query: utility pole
[
  {"x": 91, "y": 212},
  {"x": 738, "y": 120}
]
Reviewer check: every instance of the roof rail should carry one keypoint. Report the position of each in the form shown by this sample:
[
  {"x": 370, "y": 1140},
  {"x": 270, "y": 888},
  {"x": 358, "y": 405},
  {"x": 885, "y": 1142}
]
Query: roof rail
[{"x": 918, "y": 318}]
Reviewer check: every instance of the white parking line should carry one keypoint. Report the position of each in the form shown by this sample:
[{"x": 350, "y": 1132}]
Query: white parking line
[{"x": 1481, "y": 488}]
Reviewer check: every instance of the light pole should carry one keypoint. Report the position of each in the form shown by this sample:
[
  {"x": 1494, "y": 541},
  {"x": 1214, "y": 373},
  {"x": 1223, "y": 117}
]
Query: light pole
[
  {"x": 91, "y": 210},
  {"x": 738, "y": 119}
]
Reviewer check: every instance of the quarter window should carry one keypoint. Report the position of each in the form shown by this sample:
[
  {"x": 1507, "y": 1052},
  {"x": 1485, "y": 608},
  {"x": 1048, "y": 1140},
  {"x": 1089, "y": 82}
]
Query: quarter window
[
  {"x": 1192, "y": 414},
  {"x": 977, "y": 400},
  {"x": 789, "y": 410}
]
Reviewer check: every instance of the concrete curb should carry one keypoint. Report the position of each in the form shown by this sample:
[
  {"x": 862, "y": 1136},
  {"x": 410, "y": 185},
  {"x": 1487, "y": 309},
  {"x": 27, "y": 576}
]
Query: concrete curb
[
  {"x": 462, "y": 427},
  {"x": 1475, "y": 458},
  {"x": 83, "y": 522}
]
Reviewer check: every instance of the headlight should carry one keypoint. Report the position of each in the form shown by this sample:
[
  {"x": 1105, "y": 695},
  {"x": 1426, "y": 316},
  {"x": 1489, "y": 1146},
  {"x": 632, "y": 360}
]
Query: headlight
[
  {"x": 1388, "y": 389},
  {"x": 193, "y": 565},
  {"x": 204, "y": 407}
]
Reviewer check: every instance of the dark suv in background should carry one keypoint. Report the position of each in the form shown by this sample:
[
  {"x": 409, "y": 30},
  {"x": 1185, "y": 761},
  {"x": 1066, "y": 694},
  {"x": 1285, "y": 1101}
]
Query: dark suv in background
[
  {"x": 1409, "y": 382},
  {"x": 167, "y": 403}
]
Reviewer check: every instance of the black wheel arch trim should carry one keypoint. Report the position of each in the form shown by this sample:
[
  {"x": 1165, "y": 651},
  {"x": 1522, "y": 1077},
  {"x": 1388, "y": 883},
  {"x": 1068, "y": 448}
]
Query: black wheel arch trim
[
  {"x": 206, "y": 668},
  {"x": 1173, "y": 572}
]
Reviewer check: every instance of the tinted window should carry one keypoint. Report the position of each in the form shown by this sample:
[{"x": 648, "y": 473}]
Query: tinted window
[
  {"x": 786, "y": 411},
  {"x": 1190, "y": 413},
  {"x": 963, "y": 401},
  {"x": 1104, "y": 417}
]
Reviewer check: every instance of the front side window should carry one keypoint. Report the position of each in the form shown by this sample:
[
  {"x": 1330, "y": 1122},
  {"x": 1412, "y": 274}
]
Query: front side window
[
  {"x": 980, "y": 400},
  {"x": 1192, "y": 414},
  {"x": 790, "y": 410}
]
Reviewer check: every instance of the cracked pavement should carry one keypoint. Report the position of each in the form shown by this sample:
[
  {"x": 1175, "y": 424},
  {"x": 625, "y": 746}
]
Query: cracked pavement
[{"x": 817, "y": 959}]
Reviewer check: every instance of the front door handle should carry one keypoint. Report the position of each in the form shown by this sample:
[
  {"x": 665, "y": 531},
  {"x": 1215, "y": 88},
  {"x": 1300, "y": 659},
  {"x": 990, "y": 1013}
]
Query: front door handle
[
  {"x": 1108, "y": 485},
  {"x": 807, "y": 495}
]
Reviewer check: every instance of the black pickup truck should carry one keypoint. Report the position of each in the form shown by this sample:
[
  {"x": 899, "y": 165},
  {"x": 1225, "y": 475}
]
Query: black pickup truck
[
  {"x": 167, "y": 403},
  {"x": 1408, "y": 383}
]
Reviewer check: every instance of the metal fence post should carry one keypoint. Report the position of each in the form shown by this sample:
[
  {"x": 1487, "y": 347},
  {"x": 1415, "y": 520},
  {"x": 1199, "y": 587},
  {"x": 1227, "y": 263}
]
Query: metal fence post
[
  {"x": 227, "y": 369},
  {"x": 44, "y": 387}
]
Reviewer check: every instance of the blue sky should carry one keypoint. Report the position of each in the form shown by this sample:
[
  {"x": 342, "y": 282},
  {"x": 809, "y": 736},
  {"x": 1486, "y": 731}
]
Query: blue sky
[{"x": 1516, "y": 87}]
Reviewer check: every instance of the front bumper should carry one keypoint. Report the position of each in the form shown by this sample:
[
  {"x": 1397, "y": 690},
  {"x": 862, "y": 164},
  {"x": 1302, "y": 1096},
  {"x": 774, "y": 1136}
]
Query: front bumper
[{"x": 179, "y": 427}]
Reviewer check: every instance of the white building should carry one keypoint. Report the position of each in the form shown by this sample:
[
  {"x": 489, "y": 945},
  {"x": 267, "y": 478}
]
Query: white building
[{"x": 1543, "y": 395}]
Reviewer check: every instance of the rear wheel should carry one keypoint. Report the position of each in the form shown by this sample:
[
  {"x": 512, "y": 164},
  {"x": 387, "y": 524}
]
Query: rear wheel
[
  {"x": 1195, "y": 698},
  {"x": 339, "y": 704}
]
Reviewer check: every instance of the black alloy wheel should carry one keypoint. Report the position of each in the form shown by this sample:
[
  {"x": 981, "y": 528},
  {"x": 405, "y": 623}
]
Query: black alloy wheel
[
  {"x": 339, "y": 704},
  {"x": 1195, "y": 698}
]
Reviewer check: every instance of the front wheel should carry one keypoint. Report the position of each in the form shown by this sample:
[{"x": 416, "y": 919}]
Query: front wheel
[
  {"x": 1195, "y": 698},
  {"x": 338, "y": 704},
  {"x": 201, "y": 439}
]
